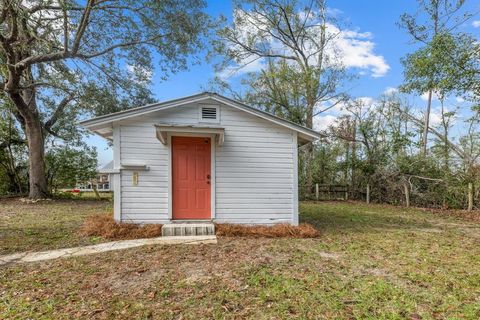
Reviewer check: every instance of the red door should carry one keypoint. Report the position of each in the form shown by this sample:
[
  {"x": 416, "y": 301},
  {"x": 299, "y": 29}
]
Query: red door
[{"x": 191, "y": 177}]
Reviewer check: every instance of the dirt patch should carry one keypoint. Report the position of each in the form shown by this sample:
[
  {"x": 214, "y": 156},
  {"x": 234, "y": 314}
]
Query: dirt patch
[
  {"x": 104, "y": 226},
  {"x": 429, "y": 230},
  {"x": 304, "y": 230},
  {"x": 329, "y": 256}
]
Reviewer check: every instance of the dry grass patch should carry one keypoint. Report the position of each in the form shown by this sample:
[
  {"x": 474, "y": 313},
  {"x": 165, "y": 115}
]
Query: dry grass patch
[
  {"x": 448, "y": 213},
  {"x": 104, "y": 226},
  {"x": 304, "y": 230},
  {"x": 46, "y": 225},
  {"x": 370, "y": 263}
]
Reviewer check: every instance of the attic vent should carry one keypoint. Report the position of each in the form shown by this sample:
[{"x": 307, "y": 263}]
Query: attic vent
[{"x": 209, "y": 114}]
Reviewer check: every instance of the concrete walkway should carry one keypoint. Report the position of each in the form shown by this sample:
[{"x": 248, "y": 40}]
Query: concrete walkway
[{"x": 102, "y": 247}]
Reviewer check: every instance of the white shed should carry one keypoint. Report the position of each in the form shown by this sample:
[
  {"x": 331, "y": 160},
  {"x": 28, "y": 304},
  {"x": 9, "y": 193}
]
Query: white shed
[{"x": 203, "y": 157}]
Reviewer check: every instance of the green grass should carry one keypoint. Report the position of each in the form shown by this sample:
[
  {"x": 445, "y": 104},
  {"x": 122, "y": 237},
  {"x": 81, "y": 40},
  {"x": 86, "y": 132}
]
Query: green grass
[
  {"x": 372, "y": 262},
  {"x": 46, "y": 224}
]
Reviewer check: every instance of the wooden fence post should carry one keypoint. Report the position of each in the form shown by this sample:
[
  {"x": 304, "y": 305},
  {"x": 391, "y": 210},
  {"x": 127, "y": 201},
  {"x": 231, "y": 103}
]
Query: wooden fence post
[
  {"x": 368, "y": 193},
  {"x": 317, "y": 191},
  {"x": 470, "y": 196},
  {"x": 346, "y": 193},
  {"x": 407, "y": 194}
]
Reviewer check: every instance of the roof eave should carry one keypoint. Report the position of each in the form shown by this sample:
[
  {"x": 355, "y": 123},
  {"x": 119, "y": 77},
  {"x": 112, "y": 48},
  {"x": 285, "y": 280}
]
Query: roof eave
[
  {"x": 121, "y": 115},
  {"x": 107, "y": 120}
]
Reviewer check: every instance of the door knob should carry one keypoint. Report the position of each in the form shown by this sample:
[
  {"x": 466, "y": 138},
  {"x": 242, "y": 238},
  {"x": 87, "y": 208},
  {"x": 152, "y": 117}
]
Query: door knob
[{"x": 208, "y": 176}]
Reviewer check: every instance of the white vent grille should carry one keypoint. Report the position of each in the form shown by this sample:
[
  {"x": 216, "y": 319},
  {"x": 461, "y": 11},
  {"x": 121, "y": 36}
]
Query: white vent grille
[{"x": 209, "y": 113}]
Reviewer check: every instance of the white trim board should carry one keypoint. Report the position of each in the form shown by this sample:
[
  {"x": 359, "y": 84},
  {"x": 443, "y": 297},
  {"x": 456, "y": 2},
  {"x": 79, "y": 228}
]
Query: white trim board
[
  {"x": 117, "y": 177},
  {"x": 96, "y": 124},
  {"x": 162, "y": 131},
  {"x": 295, "y": 219}
]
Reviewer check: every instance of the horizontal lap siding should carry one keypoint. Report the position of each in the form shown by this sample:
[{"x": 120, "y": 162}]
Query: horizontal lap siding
[
  {"x": 148, "y": 201},
  {"x": 254, "y": 171},
  {"x": 254, "y": 168}
]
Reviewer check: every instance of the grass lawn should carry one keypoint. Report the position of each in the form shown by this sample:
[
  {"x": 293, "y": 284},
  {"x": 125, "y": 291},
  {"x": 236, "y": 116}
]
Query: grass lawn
[
  {"x": 45, "y": 225},
  {"x": 372, "y": 262}
]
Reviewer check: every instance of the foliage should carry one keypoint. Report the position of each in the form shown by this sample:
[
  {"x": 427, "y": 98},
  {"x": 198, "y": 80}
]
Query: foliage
[
  {"x": 449, "y": 64},
  {"x": 61, "y": 61},
  {"x": 376, "y": 143},
  {"x": 68, "y": 166},
  {"x": 13, "y": 156},
  {"x": 295, "y": 41},
  {"x": 382, "y": 143}
]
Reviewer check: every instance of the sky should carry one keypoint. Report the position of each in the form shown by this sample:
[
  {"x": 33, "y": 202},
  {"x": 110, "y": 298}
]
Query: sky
[{"x": 373, "y": 47}]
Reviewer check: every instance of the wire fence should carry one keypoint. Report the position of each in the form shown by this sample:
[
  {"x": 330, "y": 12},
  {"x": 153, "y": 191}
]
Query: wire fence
[
  {"x": 325, "y": 192},
  {"x": 429, "y": 196}
]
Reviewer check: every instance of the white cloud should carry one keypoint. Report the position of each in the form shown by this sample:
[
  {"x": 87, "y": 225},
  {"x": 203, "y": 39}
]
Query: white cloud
[
  {"x": 435, "y": 117},
  {"x": 424, "y": 96},
  {"x": 139, "y": 73},
  {"x": 366, "y": 101},
  {"x": 334, "y": 12},
  {"x": 390, "y": 90},
  {"x": 351, "y": 48},
  {"x": 323, "y": 122},
  {"x": 252, "y": 65},
  {"x": 357, "y": 51},
  {"x": 459, "y": 99},
  {"x": 476, "y": 24}
]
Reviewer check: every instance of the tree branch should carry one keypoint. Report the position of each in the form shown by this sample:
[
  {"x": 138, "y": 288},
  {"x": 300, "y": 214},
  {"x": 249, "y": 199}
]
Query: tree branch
[
  {"x": 58, "y": 112},
  {"x": 82, "y": 26}
]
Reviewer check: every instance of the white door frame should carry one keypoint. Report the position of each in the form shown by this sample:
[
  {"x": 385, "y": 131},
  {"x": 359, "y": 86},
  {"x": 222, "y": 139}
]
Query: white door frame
[{"x": 213, "y": 188}]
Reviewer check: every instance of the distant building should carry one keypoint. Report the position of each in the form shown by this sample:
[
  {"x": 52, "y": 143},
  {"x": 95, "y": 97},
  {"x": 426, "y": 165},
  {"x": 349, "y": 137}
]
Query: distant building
[{"x": 102, "y": 180}]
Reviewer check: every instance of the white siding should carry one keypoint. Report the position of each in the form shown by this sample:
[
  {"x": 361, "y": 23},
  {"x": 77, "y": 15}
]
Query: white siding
[{"x": 254, "y": 168}]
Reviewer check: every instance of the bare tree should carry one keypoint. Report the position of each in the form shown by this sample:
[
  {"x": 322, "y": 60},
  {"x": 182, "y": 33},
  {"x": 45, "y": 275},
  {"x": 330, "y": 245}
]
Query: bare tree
[{"x": 296, "y": 39}]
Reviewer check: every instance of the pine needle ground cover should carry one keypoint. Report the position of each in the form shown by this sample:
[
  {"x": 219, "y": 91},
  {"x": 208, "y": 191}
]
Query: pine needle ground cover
[{"x": 370, "y": 262}]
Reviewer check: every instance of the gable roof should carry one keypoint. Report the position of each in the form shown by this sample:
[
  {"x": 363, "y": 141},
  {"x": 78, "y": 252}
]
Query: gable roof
[
  {"x": 103, "y": 125},
  {"x": 108, "y": 168}
]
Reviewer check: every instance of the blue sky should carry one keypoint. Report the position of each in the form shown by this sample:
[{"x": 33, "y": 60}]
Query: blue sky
[{"x": 377, "y": 17}]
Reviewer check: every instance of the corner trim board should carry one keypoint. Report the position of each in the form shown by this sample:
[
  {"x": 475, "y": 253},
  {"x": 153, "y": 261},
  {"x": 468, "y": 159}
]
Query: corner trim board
[
  {"x": 295, "y": 219},
  {"x": 117, "y": 187}
]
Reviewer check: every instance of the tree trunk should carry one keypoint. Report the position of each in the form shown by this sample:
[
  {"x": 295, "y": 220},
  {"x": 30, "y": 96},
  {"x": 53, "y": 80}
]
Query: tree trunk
[
  {"x": 426, "y": 124},
  {"x": 95, "y": 190},
  {"x": 27, "y": 107},
  {"x": 470, "y": 196},
  {"x": 353, "y": 158},
  {"x": 309, "y": 149},
  {"x": 36, "y": 159},
  {"x": 406, "y": 189},
  {"x": 368, "y": 193}
]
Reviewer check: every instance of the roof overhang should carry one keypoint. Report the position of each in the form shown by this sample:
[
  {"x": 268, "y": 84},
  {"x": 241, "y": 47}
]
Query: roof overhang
[
  {"x": 162, "y": 131},
  {"x": 103, "y": 125}
]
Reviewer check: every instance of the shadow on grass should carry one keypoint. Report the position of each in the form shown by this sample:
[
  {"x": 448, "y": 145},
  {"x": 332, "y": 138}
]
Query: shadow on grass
[{"x": 357, "y": 217}]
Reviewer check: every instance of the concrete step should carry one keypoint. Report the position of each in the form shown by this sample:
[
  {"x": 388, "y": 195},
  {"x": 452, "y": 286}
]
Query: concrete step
[{"x": 188, "y": 229}]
